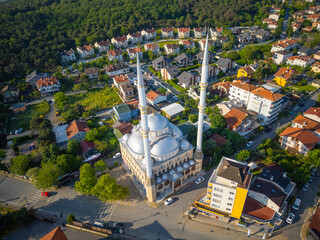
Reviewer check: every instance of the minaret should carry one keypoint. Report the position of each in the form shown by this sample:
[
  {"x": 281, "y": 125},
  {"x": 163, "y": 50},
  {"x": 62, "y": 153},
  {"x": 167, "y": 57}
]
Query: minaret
[
  {"x": 198, "y": 156},
  {"x": 149, "y": 183}
]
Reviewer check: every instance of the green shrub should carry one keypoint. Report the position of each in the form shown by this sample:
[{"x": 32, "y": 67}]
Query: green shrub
[
  {"x": 116, "y": 164},
  {"x": 22, "y": 139},
  {"x": 71, "y": 218}
]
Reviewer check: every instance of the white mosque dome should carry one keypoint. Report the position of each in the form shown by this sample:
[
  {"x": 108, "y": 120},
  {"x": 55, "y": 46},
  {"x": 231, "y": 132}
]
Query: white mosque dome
[
  {"x": 185, "y": 165},
  {"x": 135, "y": 143},
  {"x": 172, "y": 172},
  {"x": 164, "y": 146},
  {"x": 164, "y": 176},
  {"x": 184, "y": 145},
  {"x": 157, "y": 122},
  {"x": 125, "y": 137},
  {"x": 159, "y": 180},
  {"x": 177, "y": 133},
  {"x": 191, "y": 162},
  {"x": 180, "y": 169}
]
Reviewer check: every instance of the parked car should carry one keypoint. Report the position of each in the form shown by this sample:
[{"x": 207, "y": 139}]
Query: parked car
[
  {"x": 168, "y": 201},
  {"x": 116, "y": 155},
  {"x": 313, "y": 172},
  {"x": 45, "y": 194},
  {"x": 119, "y": 225},
  {"x": 12, "y": 132},
  {"x": 290, "y": 218},
  {"x": 296, "y": 108},
  {"x": 249, "y": 144},
  {"x": 306, "y": 187},
  {"x": 311, "y": 179},
  {"x": 199, "y": 180},
  {"x": 297, "y": 204},
  {"x": 18, "y": 131}
]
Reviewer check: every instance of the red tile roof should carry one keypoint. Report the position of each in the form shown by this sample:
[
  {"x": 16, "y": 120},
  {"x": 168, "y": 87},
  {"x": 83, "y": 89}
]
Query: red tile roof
[
  {"x": 255, "y": 209},
  {"x": 121, "y": 79},
  {"x": 219, "y": 139},
  {"x": 134, "y": 50},
  {"x": 243, "y": 85},
  {"x": 315, "y": 223},
  {"x": 307, "y": 123},
  {"x": 85, "y": 146},
  {"x": 115, "y": 52},
  {"x": 235, "y": 117},
  {"x": 121, "y": 39},
  {"x": 264, "y": 93},
  {"x": 55, "y": 234},
  {"x": 306, "y": 137},
  {"x": 46, "y": 81},
  {"x": 166, "y": 29},
  {"x": 285, "y": 43},
  {"x": 313, "y": 111},
  {"x": 75, "y": 127},
  {"x": 152, "y": 95},
  {"x": 285, "y": 73},
  {"x": 92, "y": 70},
  {"x": 183, "y": 29},
  {"x": 125, "y": 128}
]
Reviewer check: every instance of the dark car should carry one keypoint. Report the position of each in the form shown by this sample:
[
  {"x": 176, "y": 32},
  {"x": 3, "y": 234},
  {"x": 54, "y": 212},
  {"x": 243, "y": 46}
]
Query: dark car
[{"x": 119, "y": 225}]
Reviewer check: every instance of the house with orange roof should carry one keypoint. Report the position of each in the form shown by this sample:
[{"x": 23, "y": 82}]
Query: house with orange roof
[
  {"x": 117, "y": 69},
  {"x": 167, "y": 32},
  {"x": 298, "y": 15},
  {"x": 120, "y": 80},
  {"x": 313, "y": 17},
  {"x": 240, "y": 91},
  {"x": 153, "y": 47},
  {"x": 102, "y": 46},
  {"x": 133, "y": 52},
  {"x": 303, "y": 122},
  {"x": 298, "y": 140},
  {"x": 313, "y": 113},
  {"x": 187, "y": 43},
  {"x": 221, "y": 87},
  {"x": 202, "y": 44},
  {"x": 92, "y": 72},
  {"x": 55, "y": 234},
  {"x": 183, "y": 32},
  {"x": 149, "y": 34},
  {"x": 48, "y": 85},
  {"x": 215, "y": 32},
  {"x": 199, "y": 32},
  {"x": 85, "y": 51},
  {"x": 154, "y": 97},
  {"x": 307, "y": 29},
  {"x": 302, "y": 61},
  {"x": 120, "y": 42},
  {"x": 171, "y": 49},
  {"x": 67, "y": 56},
  {"x": 284, "y": 76},
  {"x": 134, "y": 38},
  {"x": 296, "y": 26},
  {"x": 77, "y": 130},
  {"x": 115, "y": 54},
  {"x": 315, "y": 67},
  {"x": 285, "y": 44}
]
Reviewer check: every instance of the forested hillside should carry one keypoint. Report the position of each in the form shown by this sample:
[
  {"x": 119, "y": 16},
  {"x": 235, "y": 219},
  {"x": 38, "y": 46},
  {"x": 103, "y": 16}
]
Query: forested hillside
[{"x": 33, "y": 32}]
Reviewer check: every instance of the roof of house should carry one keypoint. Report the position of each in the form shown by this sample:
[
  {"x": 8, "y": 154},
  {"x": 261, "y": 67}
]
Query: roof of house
[
  {"x": 9, "y": 88},
  {"x": 116, "y": 67},
  {"x": 248, "y": 70},
  {"x": 115, "y": 52},
  {"x": 306, "y": 137},
  {"x": 261, "y": 32},
  {"x": 47, "y": 81},
  {"x": 150, "y": 30},
  {"x": 160, "y": 59},
  {"x": 173, "y": 109},
  {"x": 225, "y": 85},
  {"x": 313, "y": 111},
  {"x": 235, "y": 171},
  {"x": 135, "y": 35},
  {"x": 173, "y": 70},
  {"x": 306, "y": 50},
  {"x": 134, "y": 50},
  {"x": 75, "y": 127},
  {"x": 307, "y": 123},
  {"x": 122, "y": 108},
  {"x": 85, "y": 146},
  {"x": 151, "y": 46},
  {"x": 223, "y": 62},
  {"x": 301, "y": 58},
  {"x": 269, "y": 189},
  {"x": 219, "y": 139},
  {"x": 152, "y": 95},
  {"x": 183, "y": 29},
  {"x": 243, "y": 85},
  {"x": 285, "y": 43},
  {"x": 185, "y": 77},
  {"x": 172, "y": 45},
  {"x": 134, "y": 105},
  {"x": 125, "y": 128},
  {"x": 200, "y": 29},
  {"x": 283, "y": 52},
  {"x": 55, "y": 234},
  {"x": 18, "y": 105},
  {"x": 68, "y": 52},
  {"x": 86, "y": 48},
  {"x": 264, "y": 93},
  {"x": 121, "y": 79},
  {"x": 255, "y": 209},
  {"x": 121, "y": 39},
  {"x": 285, "y": 73},
  {"x": 91, "y": 70},
  {"x": 127, "y": 87},
  {"x": 235, "y": 117},
  {"x": 315, "y": 223},
  {"x": 103, "y": 43},
  {"x": 181, "y": 57},
  {"x": 316, "y": 64},
  {"x": 187, "y": 42},
  {"x": 168, "y": 29}
]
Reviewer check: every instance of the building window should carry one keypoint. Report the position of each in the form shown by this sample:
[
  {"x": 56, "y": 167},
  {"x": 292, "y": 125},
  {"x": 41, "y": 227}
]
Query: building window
[
  {"x": 231, "y": 193},
  {"x": 217, "y": 195},
  {"x": 215, "y": 205},
  {"x": 228, "y": 209},
  {"x": 229, "y": 204},
  {"x": 230, "y": 198},
  {"x": 218, "y": 189},
  {"x": 216, "y": 200}
]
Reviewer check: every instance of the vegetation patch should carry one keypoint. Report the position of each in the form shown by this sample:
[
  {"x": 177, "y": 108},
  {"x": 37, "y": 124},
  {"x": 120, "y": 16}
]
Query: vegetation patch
[{"x": 304, "y": 88}]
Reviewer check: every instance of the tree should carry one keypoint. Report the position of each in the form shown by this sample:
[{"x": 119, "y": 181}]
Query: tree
[
  {"x": 50, "y": 153},
  {"x": 257, "y": 75},
  {"x": 68, "y": 163},
  {"x": 243, "y": 155},
  {"x": 193, "y": 118},
  {"x": 107, "y": 189},
  {"x": 314, "y": 157},
  {"x": 208, "y": 147},
  {"x": 33, "y": 173},
  {"x": 84, "y": 79},
  {"x": 73, "y": 147},
  {"x": 218, "y": 122},
  {"x": 48, "y": 175},
  {"x": 87, "y": 179},
  {"x": 20, "y": 165},
  {"x": 35, "y": 122},
  {"x": 100, "y": 166}
]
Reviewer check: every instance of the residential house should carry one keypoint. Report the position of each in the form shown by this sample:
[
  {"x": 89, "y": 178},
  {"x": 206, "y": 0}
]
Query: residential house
[
  {"x": 286, "y": 44},
  {"x": 85, "y": 51},
  {"x": 122, "y": 112},
  {"x": 134, "y": 38},
  {"x": 281, "y": 56},
  {"x": 122, "y": 128},
  {"x": 307, "y": 29},
  {"x": 134, "y": 107},
  {"x": 102, "y": 46},
  {"x": 221, "y": 88},
  {"x": 194, "y": 92},
  {"x": 173, "y": 110},
  {"x": 315, "y": 67},
  {"x": 220, "y": 39},
  {"x": 126, "y": 92},
  {"x": 133, "y": 52},
  {"x": 202, "y": 44},
  {"x": 186, "y": 79},
  {"x": 302, "y": 61},
  {"x": 117, "y": 69},
  {"x": 183, "y": 32},
  {"x": 275, "y": 9},
  {"x": 302, "y": 121},
  {"x": 55, "y": 234},
  {"x": 149, "y": 34},
  {"x": 33, "y": 77},
  {"x": 284, "y": 76},
  {"x": 314, "y": 227},
  {"x": 316, "y": 25},
  {"x": 120, "y": 42},
  {"x": 92, "y": 72},
  {"x": 19, "y": 107},
  {"x": 171, "y": 49},
  {"x": 199, "y": 32},
  {"x": 316, "y": 56},
  {"x": 160, "y": 62},
  {"x": 169, "y": 73},
  {"x": 298, "y": 140},
  {"x": 298, "y": 15},
  {"x": 89, "y": 152},
  {"x": 266, "y": 104},
  {"x": 67, "y": 56},
  {"x": 313, "y": 113},
  {"x": 313, "y": 9},
  {"x": 120, "y": 80},
  {"x": 272, "y": 25},
  {"x": 227, "y": 190},
  {"x": 77, "y": 130},
  {"x": 114, "y": 55},
  {"x": 132, "y": 77},
  {"x": 247, "y": 71},
  {"x": 48, "y": 86},
  {"x": 245, "y": 38},
  {"x": 219, "y": 140},
  {"x": 167, "y": 32},
  {"x": 153, "y": 47},
  {"x": 313, "y": 17},
  {"x": 10, "y": 93},
  {"x": 154, "y": 97},
  {"x": 212, "y": 72},
  {"x": 225, "y": 64},
  {"x": 274, "y": 16},
  {"x": 296, "y": 26},
  {"x": 200, "y": 55},
  {"x": 261, "y": 35},
  {"x": 241, "y": 91},
  {"x": 187, "y": 43},
  {"x": 215, "y": 32},
  {"x": 183, "y": 60}
]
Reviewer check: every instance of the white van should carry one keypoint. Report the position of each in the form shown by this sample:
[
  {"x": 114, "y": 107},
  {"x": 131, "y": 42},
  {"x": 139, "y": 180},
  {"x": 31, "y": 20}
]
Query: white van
[
  {"x": 297, "y": 204},
  {"x": 116, "y": 155}
]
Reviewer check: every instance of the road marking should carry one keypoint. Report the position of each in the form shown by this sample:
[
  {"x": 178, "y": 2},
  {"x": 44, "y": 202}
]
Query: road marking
[
  {"x": 114, "y": 206},
  {"x": 35, "y": 198},
  {"x": 105, "y": 210},
  {"x": 21, "y": 198}
]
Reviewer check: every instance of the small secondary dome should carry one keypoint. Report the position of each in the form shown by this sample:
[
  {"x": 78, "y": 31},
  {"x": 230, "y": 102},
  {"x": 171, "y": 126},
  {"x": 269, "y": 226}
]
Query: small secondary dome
[
  {"x": 164, "y": 146},
  {"x": 135, "y": 143},
  {"x": 184, "y": 145},
  {"x": 164, "y": 176},
  {"x": 157, "y": 122}
]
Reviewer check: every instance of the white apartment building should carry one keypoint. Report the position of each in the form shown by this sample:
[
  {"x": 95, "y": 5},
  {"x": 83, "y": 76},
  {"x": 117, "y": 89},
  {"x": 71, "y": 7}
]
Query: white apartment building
[
  {"x": 47, "y": 86},
  {"x": 302, "y": 61},
  {"x": 241, "y": 91},
  {"x": 102, "y": 46},
  {"x": 120, "y": 42},
  {"x": 281, "y": 56},
  {"x": 85, "y": 51},
  {"x": 285, "y": 44},
  {"x": 67, "y": 56},
  {"x": 149, "y": 34}
]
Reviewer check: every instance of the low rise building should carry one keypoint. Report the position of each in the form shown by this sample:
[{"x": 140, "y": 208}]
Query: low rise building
[
  {"x": 199, "y": 32},
  {"x": 153, "y": 47},
  {"x": 225, "y": 64},
  {"x": 115, "y": 55},
  {"x": 85, "y": 51},
  {"x": 149, "y": 34},
  {"x": 173, "y": 110},
  {"x": 183, "y": 32},
  {"x": 296, "y": 26},
  {"x": 186, "y": 79},
  {"x": 167, "y": 32},
  {"x": 133, "y": 52},
  {"x": 194, "y": 92},
  {"x": 171, "y": 49},
  {"x": 305, "y": 51},
  {"x": 313, "y": 114},
  {"x": 285, "y": 44},
  {"x": 126, "y": 92},
  {"x": 33, "y": 77},
  {"x": 240, "y": 91},
  {"x": 117, "y": 69},
  {"x": 183, "y": 60},
  {"x": 215, "y": 32},
  {"x": 202, "y": 44},
  {"x": 160, "y": 62},
  {"x": 10, "y": 93},
  {"x": 92, "y": 72},
  {"x": 302, "y": 61},
  {"x": 102, "y": 46},
  {"x": 187, "y": 43},
  {"x": 67, "y": 56},
  {"x": 48, "y": 86},
  {"x": 122, "y": 112},
  {"x": 120, "y": 80},
  {"x": 262, "y": 35},
  {"x": 169, "y": 73},
  {"x": 315, "y": 67},
  {"x": 19, "y": 107},
  {"x": 314, "y": 227},
  {"x": 284, "y": 76},
  {"x": 154, "y": 97},
  {"x": 120, "y": 42},
  {"x": 77, "y": 130},
  {"x": 247, "y": 71},
  {"x": 281, "y": 56},
  {"x": 134, "y": 38}
]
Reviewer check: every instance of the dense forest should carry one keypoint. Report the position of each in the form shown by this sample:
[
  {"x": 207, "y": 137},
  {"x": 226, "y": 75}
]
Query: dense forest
[{"x": 33, "y": 32}]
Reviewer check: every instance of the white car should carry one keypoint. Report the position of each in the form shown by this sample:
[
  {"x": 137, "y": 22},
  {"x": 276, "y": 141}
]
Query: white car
[
  {"x": 296, "y": 108},
  {"x": 18, "y": 131},
  {"x": 199, "y": 180},
  {"x": 116, "y": 155},
  {"x": 249, "y": 144},
  {"x": 168, "y": 201},
  {"x": 306, "y": 187},
  {"x": 290, "y": 218}
]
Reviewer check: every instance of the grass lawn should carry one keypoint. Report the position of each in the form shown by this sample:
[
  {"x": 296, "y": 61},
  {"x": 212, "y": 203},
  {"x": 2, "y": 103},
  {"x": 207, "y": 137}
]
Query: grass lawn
[
  {"x": 161, "y": 44},
  {"x": 22, "y": 120},
  {"x": 307, "y": 88},
  {"x": 176, "y": 86},
  {"x": 96, "y": 99}
]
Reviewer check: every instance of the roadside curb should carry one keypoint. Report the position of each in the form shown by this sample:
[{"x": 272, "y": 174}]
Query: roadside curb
[{"x": 14, "y": 176}]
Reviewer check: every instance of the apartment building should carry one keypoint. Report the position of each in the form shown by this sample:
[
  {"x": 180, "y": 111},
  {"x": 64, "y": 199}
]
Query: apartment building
[{"x": 241, "y": 91}]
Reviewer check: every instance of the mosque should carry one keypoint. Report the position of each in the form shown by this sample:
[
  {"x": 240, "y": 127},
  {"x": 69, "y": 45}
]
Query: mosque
[{"x": 156, "y": 153}]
